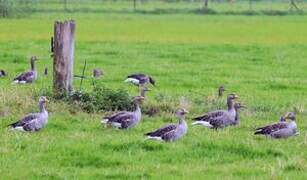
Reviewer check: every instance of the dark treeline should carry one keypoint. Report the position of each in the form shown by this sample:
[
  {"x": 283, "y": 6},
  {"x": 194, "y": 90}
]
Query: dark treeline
[{"x": 23, "y": 8}]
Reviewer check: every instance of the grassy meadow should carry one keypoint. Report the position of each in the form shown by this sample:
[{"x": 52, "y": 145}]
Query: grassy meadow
[{"x": 261, "y": 58}]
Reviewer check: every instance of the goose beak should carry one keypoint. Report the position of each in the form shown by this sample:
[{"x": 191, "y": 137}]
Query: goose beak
[
  {"x": 236, "y": 96},
  {"x": 185, "y": 111},
  {"x": 286, "y": 116}
]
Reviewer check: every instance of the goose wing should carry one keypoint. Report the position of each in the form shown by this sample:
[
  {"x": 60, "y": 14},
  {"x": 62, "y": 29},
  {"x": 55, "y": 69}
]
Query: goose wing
[
  {"x": 26, "y": 123},
  {"x": 210, "y": 116},
  {"x": 125, "y": 119},
  {"x": 162, "y": 131},
  {"x": 142, "y": 78},
  {"x": 114, "y": 115},
  {"x": 138, "y": 76},
  {"x": 27, "y": 77},
  {"x": 168, "y": 136},
  {"x": 214, "y": 119},
  {"x": 267, "y": 130}
]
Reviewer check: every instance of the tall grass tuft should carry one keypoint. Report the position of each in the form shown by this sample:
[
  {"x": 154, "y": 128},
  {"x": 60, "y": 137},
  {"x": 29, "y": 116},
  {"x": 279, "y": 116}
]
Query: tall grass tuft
[{"x": 102, "y": 99}]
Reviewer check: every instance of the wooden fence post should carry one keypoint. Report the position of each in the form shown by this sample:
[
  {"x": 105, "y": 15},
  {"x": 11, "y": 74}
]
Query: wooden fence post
[{"x": 63, "y": 47}]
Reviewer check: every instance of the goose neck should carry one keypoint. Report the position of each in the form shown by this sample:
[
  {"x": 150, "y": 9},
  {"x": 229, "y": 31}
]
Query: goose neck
[
  {"x": 42, "y": 107},
  {"x": 32, "y": 65},
  {"x": 230, "y": 104}
]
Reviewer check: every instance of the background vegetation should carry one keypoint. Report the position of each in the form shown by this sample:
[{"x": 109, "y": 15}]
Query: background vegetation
[{"x": 261, "y": 58}]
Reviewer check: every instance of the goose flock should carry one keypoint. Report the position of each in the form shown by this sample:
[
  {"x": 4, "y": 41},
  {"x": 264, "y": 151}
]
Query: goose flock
[{"x": 217, "y": 119}]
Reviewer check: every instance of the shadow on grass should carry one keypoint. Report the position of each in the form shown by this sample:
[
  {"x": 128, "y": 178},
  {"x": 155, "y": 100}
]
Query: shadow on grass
[
  {"x": 132, "y": 146},
  {"x": 237, "y": 150}
]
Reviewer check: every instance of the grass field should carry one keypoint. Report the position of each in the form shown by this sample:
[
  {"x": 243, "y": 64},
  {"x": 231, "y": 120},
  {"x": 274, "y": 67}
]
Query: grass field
[{"x": 261, "y": 58}]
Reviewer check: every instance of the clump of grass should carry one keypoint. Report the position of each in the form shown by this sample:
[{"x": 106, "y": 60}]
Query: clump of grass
[
  {"x": 246, "y": 13},
  {"x": 101, "y": 98},
  {"x": 162, "y": 104},
  {"x": 156, "y": 109},
  {"x": 205, "y": 11},
  {"x": 274, "y": 12}
]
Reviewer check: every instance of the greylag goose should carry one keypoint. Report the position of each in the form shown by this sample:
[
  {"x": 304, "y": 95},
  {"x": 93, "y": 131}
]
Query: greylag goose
[
  {"x": 221, "y": 90},
  {"x": 33, "y": 121},
  {"x": 97, "y": 73},
  {"x": 171, "y": 132},
  {"x": 125, "y": 119},
  {"x": 219, "y": 118},
  {"x": 2, "y": 73},
  {"x": 282, "y": 129},
  {"x": 237, "y": 118},
  {"x": 29, "y": 76},
  {"x": 140, "y": 79}
]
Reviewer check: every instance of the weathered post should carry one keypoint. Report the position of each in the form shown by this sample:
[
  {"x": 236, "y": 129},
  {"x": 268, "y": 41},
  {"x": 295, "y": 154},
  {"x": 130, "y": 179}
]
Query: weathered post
[{"x": 63, "y": 56}]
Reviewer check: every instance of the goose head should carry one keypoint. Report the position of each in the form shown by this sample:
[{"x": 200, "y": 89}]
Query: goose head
[
  {"x": 290, "y": 115},
  {"x": 33, "y": 59},
  {"x": 97, "y": 73},
  {"x": 221, "y": 90},
  {"x": 230, "y": 101},
  {"x": 282, "y": 119},
  {"x": 138, "y": 100},
  {"x": 231, "y": 97},
  {"x": 43, "y": 100},
  {"x": 180, "y": 113}
]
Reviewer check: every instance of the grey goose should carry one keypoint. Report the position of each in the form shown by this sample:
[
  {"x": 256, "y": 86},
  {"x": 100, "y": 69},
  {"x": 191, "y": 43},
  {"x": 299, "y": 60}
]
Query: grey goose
[
  {"x": 97, "y": 73},
  {"x": 171, "y": 132},
  {"x": 33, "y": 121},
  {"x": 125, "y": 119},
  {"x": 220, "y": 118},
  {"x": 140, "y": 79},
  {"x": 221, "y": 90},
  {"x": 281, "y": 129},
  {"x": 29, "y": 76},
  {"x": 237, "y": 106}
]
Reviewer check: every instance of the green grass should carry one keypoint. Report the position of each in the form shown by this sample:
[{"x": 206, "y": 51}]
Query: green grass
[{"x": 261, "y": 58}]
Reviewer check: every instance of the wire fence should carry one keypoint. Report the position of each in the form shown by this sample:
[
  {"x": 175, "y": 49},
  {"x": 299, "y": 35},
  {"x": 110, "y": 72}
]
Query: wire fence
[{"x": 246, "y": 7}]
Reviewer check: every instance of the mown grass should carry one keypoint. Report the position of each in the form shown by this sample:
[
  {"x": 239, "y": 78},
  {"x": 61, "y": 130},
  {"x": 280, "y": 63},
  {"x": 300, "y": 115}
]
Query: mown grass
[{"x": 262, "y": 59}]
